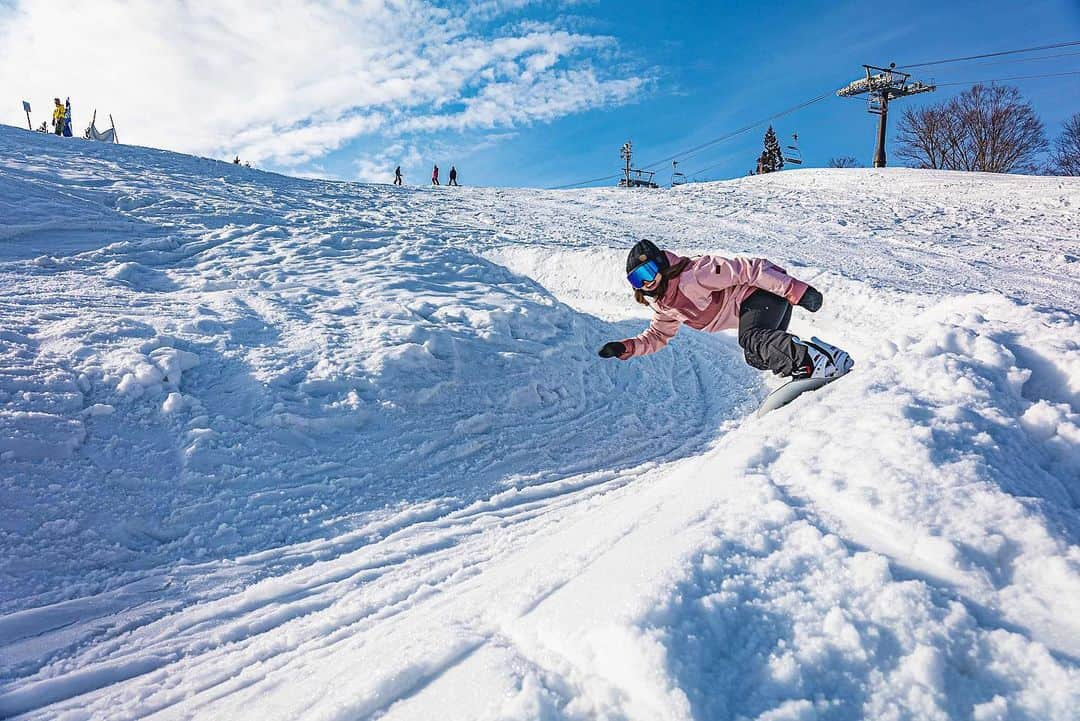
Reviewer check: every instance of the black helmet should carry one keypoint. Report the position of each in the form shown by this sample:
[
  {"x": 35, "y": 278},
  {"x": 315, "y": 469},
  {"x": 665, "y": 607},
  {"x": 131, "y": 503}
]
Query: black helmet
[{"x": 645, "y": 250}]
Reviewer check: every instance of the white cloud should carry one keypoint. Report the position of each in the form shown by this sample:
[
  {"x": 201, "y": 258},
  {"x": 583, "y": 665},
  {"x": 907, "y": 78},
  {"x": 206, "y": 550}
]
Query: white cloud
[
  {"x": 378, "y": 167},
  {"x": 526, "y": 100},
  {"x": 289, "y": 81}
]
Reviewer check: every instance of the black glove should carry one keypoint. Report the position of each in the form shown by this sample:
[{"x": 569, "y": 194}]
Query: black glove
[
  {"x": 614, "y": 349},
  {"x": 811, "y": 299}
]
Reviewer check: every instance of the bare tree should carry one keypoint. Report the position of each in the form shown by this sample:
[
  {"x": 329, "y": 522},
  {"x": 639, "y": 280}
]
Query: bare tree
[
  {"x": 989, "y": 129},
  {"x": 923, "y": 136},
  {"x": 1066, "y": 157},
  {"x": 844, "y": 161}
]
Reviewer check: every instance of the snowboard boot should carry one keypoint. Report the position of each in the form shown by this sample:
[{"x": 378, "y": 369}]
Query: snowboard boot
[{"x": 826, "y": 361}]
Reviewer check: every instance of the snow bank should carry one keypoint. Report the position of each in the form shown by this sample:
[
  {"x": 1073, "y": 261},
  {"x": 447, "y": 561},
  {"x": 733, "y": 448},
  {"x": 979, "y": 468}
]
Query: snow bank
[
  {"x": 917, "y": 558},
  {"x": 252, "y": 374}
]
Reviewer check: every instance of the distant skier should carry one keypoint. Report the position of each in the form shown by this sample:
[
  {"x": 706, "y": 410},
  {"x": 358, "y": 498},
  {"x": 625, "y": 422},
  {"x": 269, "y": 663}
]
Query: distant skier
[
  {"x": 435, "y": 176},
  {"x": 453, "y": 176},
  {"x": 711, "y": 293},
  {"x": 398, "y": 180},
  {"x": 67, "y": 117},
  {"x": 58, "y": 117},
  {"x": 236, "y": 160}
]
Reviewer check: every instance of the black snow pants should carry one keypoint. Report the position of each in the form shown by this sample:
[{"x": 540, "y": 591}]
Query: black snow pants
[{"x": 763, "y": 322}]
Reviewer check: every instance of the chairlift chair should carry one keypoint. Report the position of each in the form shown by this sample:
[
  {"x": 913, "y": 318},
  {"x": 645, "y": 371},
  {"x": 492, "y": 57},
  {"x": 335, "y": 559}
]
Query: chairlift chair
[
  {"x": 639, "y": 179},
  {"x": 677, "y": 178},
  {"x": 792, "y": 154}
]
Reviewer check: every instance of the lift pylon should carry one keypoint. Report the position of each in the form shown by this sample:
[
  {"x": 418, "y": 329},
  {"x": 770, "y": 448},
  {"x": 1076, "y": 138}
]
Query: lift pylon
[{"x": 882, "y": 85}]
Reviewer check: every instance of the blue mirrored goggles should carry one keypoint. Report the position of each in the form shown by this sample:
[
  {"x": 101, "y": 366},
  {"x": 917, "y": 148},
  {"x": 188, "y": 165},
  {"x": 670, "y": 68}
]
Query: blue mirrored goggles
[{"x": 644, "y": 273}]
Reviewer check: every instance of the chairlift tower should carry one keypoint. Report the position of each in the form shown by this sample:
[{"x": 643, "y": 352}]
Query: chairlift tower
[
  {"x": 882, "y": 85},
  {"x": 634, "y": 178}
]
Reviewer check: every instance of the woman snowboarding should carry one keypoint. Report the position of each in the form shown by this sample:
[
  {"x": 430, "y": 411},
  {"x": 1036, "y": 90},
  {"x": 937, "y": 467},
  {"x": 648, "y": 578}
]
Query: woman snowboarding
[{"x": 711, "y": 293}]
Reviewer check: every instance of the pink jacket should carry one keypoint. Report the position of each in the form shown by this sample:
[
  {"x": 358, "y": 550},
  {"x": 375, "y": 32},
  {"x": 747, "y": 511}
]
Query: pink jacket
[{"x": 707, "y": 295}]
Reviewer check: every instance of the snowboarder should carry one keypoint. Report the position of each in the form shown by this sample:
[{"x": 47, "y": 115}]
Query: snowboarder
[
  {"x": 398, "y": 180},
  {"x": 453, "y": 176},
  {"x": 711, "y": 293},
  {"x": 58, "y": 117},
  {"x": 67, "y": 117},
  {"x": 435, "y": 176}
]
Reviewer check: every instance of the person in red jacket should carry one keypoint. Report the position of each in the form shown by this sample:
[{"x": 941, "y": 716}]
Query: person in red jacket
[
  {"x": 711, "y": 293},
  {"x": 435, "y": 175}
]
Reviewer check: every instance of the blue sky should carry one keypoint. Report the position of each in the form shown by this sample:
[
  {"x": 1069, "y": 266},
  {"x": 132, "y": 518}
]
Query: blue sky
[
  {"x": 512, "y": 92},
  {"x": 721, "y": 66}
]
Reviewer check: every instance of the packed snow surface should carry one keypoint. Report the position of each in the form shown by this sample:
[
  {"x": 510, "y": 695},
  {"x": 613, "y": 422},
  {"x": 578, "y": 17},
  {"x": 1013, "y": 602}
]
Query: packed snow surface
[{"x": 286, "y": 449}]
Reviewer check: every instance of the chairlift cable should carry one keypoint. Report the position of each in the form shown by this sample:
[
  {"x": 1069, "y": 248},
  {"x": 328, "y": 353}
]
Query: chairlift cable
[
  {"x": 989, "y": 55},
  {"x": 1015, "y": 77},
  {"x": 692, "y": 151},
  {"x": 1028, "y": 60},
  {"x": 584, "y": 182},
  {"x": 681, "y": 156}
]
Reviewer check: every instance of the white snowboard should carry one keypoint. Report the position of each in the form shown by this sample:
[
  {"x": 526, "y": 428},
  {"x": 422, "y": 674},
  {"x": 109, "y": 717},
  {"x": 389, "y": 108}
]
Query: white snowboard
[{"x": 790, "y": 391}]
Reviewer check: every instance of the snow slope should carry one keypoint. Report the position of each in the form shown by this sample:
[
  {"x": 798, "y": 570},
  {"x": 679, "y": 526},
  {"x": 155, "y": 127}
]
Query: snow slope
[{"x": 275, "y": 448}]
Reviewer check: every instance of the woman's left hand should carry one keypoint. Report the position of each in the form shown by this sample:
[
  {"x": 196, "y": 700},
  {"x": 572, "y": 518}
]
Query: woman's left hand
[
  {"x": 613, "y": 349},
  {"x": 811, "y": 299}
]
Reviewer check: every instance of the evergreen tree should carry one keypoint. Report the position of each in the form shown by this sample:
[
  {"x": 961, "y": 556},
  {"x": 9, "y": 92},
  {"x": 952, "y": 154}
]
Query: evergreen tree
[{"x": 772, "y": 158}]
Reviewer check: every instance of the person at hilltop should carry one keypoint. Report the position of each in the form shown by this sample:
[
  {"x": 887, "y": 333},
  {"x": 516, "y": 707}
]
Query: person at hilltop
[
  {"x": 67, "y": 117},
  {"x": 236, "y": 160},
  {"x": 58, "y": 117},
  {"x": 453, "y": 176},
  {"x": 435, "y": 175},
  {"x": 712, "y": 293},
  {"x": 398, "y": 180}
]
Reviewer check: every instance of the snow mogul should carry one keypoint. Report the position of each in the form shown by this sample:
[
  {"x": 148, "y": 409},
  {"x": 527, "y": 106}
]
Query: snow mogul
[{"x": 711, "y": 293}]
